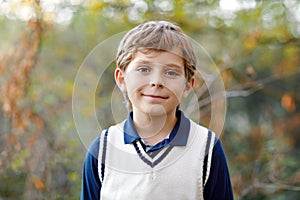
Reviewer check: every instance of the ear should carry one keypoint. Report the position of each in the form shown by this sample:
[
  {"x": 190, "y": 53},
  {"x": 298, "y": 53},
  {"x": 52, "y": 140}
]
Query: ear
[
  {"x": 188, "y": 87},
  {"x": 120, "y": 79}
]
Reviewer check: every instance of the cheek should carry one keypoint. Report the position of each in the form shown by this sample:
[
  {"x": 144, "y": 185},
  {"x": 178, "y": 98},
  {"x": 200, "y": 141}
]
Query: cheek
[
  {"x": 175, "y": 92},
  {"x": 176, "y": 88},
  {"x": 134, "y": 83}
]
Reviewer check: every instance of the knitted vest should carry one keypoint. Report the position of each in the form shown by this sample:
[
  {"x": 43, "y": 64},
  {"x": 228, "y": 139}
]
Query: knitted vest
[{"x": 176, "y": 172}]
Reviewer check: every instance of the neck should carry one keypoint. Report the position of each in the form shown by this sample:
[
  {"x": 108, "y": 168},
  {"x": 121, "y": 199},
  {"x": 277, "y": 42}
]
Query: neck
[{"x": 154, "y": 129}]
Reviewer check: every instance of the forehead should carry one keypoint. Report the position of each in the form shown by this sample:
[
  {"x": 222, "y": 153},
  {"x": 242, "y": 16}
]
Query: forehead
[{"x": 158, "y": 57}]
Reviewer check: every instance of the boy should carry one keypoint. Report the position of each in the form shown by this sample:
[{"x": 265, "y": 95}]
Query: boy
[{"x": 157, "y": 152}]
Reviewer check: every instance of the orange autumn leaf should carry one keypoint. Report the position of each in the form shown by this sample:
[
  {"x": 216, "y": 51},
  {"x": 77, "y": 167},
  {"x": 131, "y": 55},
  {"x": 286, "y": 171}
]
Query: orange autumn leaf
[
  {"x": 288, "y": 102},
  {"x": 38, "y": 183}
]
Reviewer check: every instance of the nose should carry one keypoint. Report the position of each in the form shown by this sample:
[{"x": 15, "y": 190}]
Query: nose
[{"x": 156, "y": 80}]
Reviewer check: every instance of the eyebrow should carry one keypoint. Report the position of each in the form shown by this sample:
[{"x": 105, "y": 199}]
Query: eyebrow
[
  {"x": 143, "y": 62},
  {"x": 172, "y": 65}
]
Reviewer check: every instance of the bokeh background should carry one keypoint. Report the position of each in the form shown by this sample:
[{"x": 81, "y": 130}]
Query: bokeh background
[{"x": 254, "y": 43}]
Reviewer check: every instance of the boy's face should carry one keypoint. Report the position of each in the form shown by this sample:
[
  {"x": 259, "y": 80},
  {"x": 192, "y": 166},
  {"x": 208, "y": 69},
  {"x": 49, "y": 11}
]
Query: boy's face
[{"x": 155, "y": 82}]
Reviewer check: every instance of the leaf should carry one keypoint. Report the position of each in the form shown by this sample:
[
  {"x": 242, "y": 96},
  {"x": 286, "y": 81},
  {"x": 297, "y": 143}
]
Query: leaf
[
  {"x": 288, "y": 102},
  {"x": 38, "y": 183}
]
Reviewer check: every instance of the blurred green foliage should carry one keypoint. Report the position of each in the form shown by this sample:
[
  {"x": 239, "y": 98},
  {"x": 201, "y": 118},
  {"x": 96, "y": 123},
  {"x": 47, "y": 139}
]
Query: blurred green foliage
[{"x": 255, "y": 44}]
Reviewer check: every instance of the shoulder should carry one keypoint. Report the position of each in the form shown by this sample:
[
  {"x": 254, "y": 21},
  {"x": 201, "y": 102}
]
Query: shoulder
[
  {"x": 218, "y": 158},
  {"x": 219, "y": 184},
  {"x": 207, "y": 136},
  {"x": 91, "y": 158},
  {"x": 200, "y": 129},
  {"x": 196, "y": 128},
  {"x": 94, "y": 148},
  {"x": 218, "y": 152},
  {"x": 90, "y": 180}
]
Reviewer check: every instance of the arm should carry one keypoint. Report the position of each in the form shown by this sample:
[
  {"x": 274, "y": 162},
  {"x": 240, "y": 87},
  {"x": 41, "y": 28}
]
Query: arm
[
  {"x": 91, "y": 184},
  {"x": 218, "y": 186}
]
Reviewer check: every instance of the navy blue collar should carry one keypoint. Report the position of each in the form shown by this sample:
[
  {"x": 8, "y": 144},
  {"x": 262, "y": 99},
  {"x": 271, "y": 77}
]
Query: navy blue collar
[{"x": 178, "y": 136}]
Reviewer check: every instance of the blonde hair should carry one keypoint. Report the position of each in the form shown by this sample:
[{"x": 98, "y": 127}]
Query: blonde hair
[{"x": 157, "y": 36}]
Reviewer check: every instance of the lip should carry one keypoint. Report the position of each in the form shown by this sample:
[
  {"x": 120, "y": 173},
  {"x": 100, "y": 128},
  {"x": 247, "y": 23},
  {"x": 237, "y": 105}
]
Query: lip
[{"x": 154, "y": 96}]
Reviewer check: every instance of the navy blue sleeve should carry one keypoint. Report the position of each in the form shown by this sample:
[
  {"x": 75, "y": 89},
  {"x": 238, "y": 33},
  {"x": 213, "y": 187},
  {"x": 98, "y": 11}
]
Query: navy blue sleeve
[
  {"x": 91, "y": 184},
  {"x": 218, "y": 186}
]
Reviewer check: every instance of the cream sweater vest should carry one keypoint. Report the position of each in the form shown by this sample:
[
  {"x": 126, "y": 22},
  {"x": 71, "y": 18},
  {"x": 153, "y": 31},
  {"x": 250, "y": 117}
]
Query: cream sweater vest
[{"x": 176, "y": 172}]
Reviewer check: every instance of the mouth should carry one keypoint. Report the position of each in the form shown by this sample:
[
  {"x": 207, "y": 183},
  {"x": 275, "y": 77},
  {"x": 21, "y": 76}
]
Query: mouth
[{"x": 153, "y": 96}]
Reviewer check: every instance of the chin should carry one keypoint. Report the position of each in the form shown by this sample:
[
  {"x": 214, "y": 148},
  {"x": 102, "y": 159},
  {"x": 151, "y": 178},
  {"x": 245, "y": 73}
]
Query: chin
[{"x": 157, "y": 110}]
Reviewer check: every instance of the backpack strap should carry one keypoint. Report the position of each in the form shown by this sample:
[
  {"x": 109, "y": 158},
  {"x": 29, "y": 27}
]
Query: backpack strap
[{"x": 210, "y": 142}]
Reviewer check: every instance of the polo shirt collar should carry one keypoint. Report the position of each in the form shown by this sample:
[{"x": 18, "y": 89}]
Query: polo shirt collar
[
  {"x": 130, "y": 134},
  {"x": 178, "y": 136}
]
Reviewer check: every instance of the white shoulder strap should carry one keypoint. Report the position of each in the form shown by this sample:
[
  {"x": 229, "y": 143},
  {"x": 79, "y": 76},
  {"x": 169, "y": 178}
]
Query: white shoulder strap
[
  {"x": 102, "y": 154},
  {"x": 210, "y": 142}
]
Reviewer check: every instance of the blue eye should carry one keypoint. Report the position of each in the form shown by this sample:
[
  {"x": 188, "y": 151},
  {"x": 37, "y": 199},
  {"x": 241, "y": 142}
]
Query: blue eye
[
  {"x": 143, "y": 69},
  {"x": 172, "y": 73}
]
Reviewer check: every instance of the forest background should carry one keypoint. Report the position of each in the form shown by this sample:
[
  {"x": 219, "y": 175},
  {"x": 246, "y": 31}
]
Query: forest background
[{"x": 255, "y": 45}]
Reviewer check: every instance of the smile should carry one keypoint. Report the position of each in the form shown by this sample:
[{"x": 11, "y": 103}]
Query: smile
[{"x": 154, "y": 96}]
